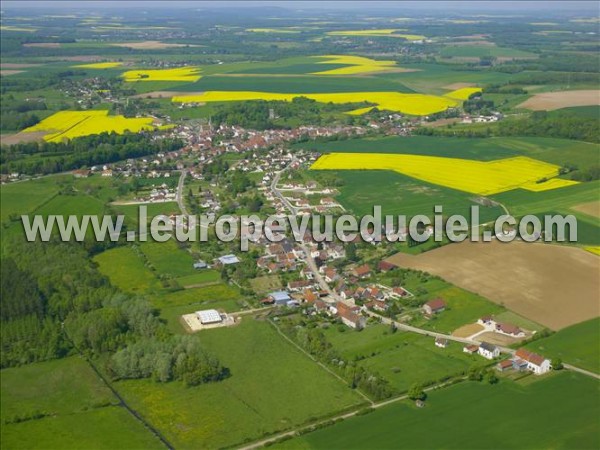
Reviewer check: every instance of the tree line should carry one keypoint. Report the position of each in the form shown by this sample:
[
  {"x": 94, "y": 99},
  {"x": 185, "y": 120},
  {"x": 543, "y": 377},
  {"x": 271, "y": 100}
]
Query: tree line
[
  {"x": 42, "y": 157},
  {"x": 54, "y": 302}
]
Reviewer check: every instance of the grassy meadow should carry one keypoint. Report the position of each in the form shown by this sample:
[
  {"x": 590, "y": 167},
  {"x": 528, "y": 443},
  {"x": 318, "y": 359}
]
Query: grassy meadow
[
  {"x": 272, "y": 387},
  {"x": 402, "y": 358},
  {"x": 474, "y": 415},
  {"x": 578, "y": 345},
  {"x": 77, "y": 409}
]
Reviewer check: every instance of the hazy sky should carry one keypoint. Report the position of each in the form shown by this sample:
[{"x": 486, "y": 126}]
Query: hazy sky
[{"x": 588, "y": 7}]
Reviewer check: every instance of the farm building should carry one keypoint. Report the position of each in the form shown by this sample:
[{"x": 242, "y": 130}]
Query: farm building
[
  {"x": 228, "y": 259},
  {"x": 536, "y": 363},
  {"x": 350, "y": 316},
  {"x": 280, "y": 298},
  {"x": 200, "y": 265},
  {"x": 209, "y": 316},
  {"x": 363, "y": 271},
  {"x": 488, "y": 351},
  {"x": 509, "y": 329},
  {"x": 470, "y": 349},
  {"x": 441, "y": 342},
  {"x": 385, "y": 266},
  {"x": 434, "y": 306},
  {"x": 505, "y": 365}
]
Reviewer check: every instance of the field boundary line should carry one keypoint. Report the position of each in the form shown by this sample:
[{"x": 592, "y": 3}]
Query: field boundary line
[
  {"x": 122, "y": 401},
  {"x": 323, "y": 366},
  {"x": 333, "y": 420}
]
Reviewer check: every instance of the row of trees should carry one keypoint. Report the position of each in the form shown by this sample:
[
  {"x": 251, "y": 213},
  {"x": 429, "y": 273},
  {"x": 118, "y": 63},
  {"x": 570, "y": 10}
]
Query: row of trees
[
  {"x": 55, "y": 302},
  {"x": 50, "y": 157},
  {"x": 314, "y": 342}
]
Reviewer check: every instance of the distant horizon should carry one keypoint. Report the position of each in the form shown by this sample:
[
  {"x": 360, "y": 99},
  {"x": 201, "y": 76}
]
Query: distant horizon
[{"x": 456, "y": 7}]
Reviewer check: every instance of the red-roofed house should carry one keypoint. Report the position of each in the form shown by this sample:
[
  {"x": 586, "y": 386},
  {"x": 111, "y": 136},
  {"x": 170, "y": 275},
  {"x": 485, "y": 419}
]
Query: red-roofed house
[
  {"x": 363, "y": 271},
  {"x": 434, "y": 306},
  {"x": 536, "y": 363}
]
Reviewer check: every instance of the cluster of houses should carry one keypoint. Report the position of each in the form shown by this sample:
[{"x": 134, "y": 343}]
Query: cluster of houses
[
  {"x": 232, "y": 138},
  {"x": 521, "y": 361},
  {"x": 508, "y": 329}
]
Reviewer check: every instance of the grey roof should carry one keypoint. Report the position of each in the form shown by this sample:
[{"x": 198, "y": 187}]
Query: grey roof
[
  {"x": 487, "y": 346},
  {"x": 280, "y": 296}
]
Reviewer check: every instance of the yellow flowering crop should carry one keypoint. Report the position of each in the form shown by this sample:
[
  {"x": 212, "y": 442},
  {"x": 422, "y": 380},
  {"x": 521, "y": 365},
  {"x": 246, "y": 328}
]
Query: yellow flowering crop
[
  {"x": 101, "y": 65},
  {"x": 477, "y": 177},
  {"x": 594, "y": 250},
  {"x": 72, "y": 124},
  {"x": 177, "y": 74},
  {"x": 413, "y": 104},
  {"x": 356, "y": 64},
  {"x": 463, "y": 93},
  {"x": 389, "y": 32}
]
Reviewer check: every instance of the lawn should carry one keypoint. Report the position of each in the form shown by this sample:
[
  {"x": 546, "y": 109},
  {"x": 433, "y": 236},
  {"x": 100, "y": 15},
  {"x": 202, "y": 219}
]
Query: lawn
[
  {"x": 272, "y": 387},
  {"x": 559, "y": 411},
  {"x": 402, "y": 358},
  {"x": 578, "y": 345},
  {"x": 80, "y": 411}
]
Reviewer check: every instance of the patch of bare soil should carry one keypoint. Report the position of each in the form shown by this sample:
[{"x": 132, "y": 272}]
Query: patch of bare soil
[
  {"x": 554, "y": 285},
  {"x": 555, "y": 100}
]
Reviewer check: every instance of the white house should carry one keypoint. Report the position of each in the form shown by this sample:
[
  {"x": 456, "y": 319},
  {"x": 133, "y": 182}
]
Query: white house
[
  {"x": 488, "y": 351},
  {"x": 536, "y": 363}
]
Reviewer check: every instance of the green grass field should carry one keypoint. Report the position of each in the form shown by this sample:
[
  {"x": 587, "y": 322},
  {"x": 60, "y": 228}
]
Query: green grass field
[
  {"x": 559, "y": 411},
  {"x": 195, "y": 296},
  {"x": 293, "y": 84},
  {"x": 578, "y": 345},
  {"x": 126, "y": 270},
  {"x": 463, "y": 307},
  {"x": 26, "y": 196},
  {"x": 272, "y": 387},
  {"x": 168, "y": 258},
  {"x": 555, "y": 151},
  {"x": 362, "y": 189},
  {"x": 402, "y": 358},
  {"x": 484, "y": 50},
  {"x": 106, "y": 428},
  {"x": 80, "y": 411}
]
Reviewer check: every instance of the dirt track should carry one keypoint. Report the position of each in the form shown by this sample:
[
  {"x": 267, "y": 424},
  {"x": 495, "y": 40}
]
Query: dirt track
[
  {"x": 553, "y": 285},
  {"x": 549, "y": 101}
]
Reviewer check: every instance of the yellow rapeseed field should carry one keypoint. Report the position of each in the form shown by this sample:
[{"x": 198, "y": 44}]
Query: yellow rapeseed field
[
  {"x": 594, "y": 250},
  {"x": 463, "y": 93},
  {"x": 389, "y": 32},
  {"x": 177, "y": 74},
  {"x": 356, "y": 64},
  {"x": 72, "y": 124},
  {"x": 101, "y": 65},
  {"x": 413, "y": 104},
  {"x": 476, "y": 177}
]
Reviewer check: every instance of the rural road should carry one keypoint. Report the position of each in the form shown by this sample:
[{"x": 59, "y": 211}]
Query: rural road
[
  {"x": 310, "y": 262},
  {"x": 325, "y": 286},
  {"x": 179, "y": 195},
  {"x": 343, "y": 416}
]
